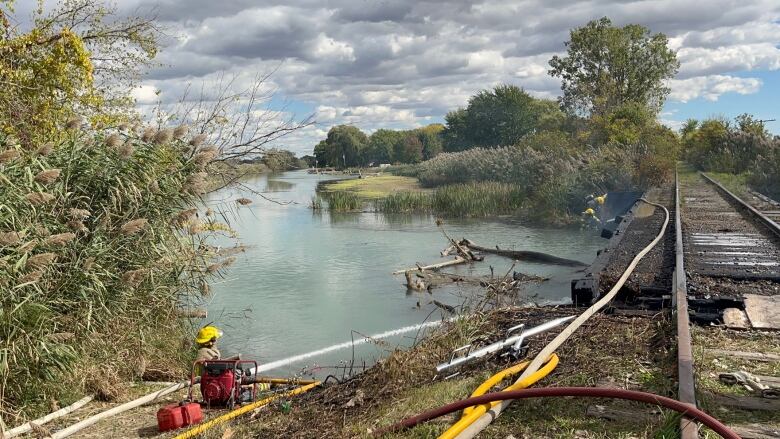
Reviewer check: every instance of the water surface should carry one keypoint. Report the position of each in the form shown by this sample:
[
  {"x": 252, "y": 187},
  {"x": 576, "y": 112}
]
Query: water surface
[{"x": 308, "y": 279}]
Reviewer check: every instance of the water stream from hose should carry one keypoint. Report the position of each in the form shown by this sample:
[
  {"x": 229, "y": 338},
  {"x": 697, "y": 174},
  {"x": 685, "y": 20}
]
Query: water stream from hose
[{"x": 348, "y": 344}]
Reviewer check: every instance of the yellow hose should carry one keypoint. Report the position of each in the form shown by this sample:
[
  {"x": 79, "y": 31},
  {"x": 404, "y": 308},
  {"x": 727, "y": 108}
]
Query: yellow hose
[
  {"x": 494, "y": 380},
  {"x": 240, "y": 411},
  {"x": 476, "y": 412}
]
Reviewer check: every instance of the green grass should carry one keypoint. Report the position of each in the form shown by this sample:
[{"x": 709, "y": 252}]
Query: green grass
[
  {"x": 374, "y": 187},
  {"x": 477, "y": 199},
  {"x": 736, "y": 183},
  {"x": 339, "y": 201}
]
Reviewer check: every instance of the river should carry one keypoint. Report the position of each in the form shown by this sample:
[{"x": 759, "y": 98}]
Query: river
[{"x": 309, "y": 279}]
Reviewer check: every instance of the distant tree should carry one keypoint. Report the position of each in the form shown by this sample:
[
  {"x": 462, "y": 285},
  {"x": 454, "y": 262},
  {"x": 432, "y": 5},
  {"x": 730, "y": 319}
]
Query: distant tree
[
  {"x": 498, "y": 117},
  {"x": 431, "y": 138},
  {"x": 345, "y": 146},
  {"x": 747, "y": 123},
  {"x": 382, "y": 145},
  {"x": 280, "y": 159},
  {"x": 410, "y": 150},
  {"x": 320, "y": 153},
  {"x": 689, "y": 127},
  {"x": 308, "y": 160},
  {"x": 607, "y": 66},
  {"x": 455, "y": 135}
]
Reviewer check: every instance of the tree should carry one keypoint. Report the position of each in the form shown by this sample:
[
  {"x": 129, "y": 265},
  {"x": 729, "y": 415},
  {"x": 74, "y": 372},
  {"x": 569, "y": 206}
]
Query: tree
[
  {"x": 607, "y": 66},
  {"x": 382, "y": 144},
  {"x": 749, "y": 124},
  {"x": 431, "y": 138},
  {"x": 499, "y": 117},
  {"x": 455, "y": 135},
  {"x": 78, "y": 59},
  {"x": 410, "y": 150},
  {"x": 345, "y": 146}
]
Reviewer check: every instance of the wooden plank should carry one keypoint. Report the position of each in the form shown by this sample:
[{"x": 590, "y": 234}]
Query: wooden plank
[
  {"x": 756, "y": 431},
  {"x": 769, "y": 381},
  {"x": 735, "y": 318},
  {"x": 745, "y": 402},
  {"x": 755, "y": 356},
  {"x": 763, "y": 311}
]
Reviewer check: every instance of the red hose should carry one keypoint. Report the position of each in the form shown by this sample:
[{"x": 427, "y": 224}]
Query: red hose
[{"x": 594, "y": 392}]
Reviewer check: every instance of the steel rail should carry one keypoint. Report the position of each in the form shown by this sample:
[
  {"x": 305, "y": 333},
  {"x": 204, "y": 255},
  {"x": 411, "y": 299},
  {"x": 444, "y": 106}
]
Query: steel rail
[
  {"x": 686, "y": 391},
  {"x": 757, "y": 214}
]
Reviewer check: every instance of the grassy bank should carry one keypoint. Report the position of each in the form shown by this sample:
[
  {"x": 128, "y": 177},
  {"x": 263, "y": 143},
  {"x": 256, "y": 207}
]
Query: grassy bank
[
  {"x": 398, "y": 194},
  {"x": 372, "y": 188}
]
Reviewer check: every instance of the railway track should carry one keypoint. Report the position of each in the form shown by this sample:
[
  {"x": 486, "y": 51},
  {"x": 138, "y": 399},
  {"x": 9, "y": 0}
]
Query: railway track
[{"x": 726, "y": 269}]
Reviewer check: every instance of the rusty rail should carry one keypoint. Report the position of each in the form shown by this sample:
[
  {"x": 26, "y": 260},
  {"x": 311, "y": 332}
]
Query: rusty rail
[{"x": 686, "y": 392}]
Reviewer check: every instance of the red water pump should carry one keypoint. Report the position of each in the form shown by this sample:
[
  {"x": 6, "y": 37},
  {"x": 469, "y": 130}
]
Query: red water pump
[{"x": 221, "y": 382}]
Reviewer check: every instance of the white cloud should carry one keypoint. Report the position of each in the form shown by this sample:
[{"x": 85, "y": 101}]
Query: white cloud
[
  {"x": 403, "y": 63},
  {"x": 712, "y": 87},
  {"x": 145, "y": 94}
]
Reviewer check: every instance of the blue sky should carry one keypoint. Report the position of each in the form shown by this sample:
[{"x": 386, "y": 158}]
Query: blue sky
[{"x": 764, "y": 104}]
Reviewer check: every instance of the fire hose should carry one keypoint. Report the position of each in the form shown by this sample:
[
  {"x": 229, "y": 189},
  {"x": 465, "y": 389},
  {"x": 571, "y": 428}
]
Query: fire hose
[
  {"x": 485, "y": 420},
  {"x": 590, "y": 392},
  {"x": 470, "y": 414},
  {"x": 242, "y": 410}
]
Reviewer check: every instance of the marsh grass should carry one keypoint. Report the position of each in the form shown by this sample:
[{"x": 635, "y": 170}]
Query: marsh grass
[
  {"x": 341, "y": 201},
  {"x": 475, "y": 199},
  {"x": 89, "y": 250}
]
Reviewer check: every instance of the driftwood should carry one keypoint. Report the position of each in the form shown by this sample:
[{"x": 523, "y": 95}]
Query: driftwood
[
  {"x": 456, "y": 261},
  {"x": 192, "y": 313},
  {"x": 444, "y": 306},
  {"x": 421, "y": 280},
  {"x": 523, "y": 255}
]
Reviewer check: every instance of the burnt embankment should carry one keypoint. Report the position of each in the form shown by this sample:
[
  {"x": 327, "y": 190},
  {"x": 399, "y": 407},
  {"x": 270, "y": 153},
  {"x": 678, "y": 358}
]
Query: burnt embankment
[
  {"x": 649, "y": 286},
  {"x": 615, "y": 351}
]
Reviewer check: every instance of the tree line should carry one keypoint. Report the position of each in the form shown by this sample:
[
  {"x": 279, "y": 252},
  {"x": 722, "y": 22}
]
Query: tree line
[{"x": 613, "y": 83}]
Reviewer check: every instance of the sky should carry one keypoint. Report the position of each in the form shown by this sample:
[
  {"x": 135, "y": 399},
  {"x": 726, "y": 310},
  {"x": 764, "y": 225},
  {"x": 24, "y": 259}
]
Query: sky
[{"x": 406, "y": 63}]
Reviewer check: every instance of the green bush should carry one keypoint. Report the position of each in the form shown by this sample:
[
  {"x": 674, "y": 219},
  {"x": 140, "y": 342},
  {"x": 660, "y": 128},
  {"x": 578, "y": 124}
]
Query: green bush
[
  {"x": 765, "y": 175},
  {"x": 94, "y": 262}
]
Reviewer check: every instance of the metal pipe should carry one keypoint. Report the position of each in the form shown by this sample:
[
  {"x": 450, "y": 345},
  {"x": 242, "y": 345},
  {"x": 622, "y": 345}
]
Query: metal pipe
[{"x": 516, "y": 341}]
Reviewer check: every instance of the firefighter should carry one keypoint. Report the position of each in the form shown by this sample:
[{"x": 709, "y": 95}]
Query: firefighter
[
  {"x": 207, "y": 343},
  {"x": 589, "y": 218}
]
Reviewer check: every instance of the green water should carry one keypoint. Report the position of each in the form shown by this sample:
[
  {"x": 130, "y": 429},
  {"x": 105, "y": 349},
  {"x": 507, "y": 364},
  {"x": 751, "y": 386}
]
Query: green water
[{"x": 308, "y": 279}]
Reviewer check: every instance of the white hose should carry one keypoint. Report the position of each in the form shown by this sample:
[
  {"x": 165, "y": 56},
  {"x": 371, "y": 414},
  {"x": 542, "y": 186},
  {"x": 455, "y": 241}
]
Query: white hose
[
  {"x": 485, "y": 420},
  {"x": 24, "y": 428},
  {"x": 118, "y": 409}
]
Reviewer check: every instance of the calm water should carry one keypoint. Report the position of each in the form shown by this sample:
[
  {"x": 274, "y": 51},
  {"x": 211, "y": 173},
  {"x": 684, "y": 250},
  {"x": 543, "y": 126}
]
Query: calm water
[{"x": 307, "y": 280}]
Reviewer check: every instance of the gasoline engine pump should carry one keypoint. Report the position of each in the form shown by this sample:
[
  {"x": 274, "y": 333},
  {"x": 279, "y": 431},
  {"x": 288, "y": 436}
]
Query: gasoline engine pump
[{"x": 223, "y": 384}]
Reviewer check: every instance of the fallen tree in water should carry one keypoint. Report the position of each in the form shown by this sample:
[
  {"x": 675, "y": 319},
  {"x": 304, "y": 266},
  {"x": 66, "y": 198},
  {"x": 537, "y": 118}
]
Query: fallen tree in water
[{"x": 523, "y": 255}]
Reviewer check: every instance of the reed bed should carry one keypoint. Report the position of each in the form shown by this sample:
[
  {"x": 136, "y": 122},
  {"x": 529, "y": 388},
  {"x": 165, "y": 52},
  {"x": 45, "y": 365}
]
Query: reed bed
[
  {"x": 91, "y": 245},
  {"x": 341, "y": 201},
  {"x": 475, "y": 199}
]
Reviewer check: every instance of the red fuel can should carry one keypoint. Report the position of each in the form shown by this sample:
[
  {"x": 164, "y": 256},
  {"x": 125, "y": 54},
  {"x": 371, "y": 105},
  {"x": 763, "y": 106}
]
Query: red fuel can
[{"x": 175, "y": 416}]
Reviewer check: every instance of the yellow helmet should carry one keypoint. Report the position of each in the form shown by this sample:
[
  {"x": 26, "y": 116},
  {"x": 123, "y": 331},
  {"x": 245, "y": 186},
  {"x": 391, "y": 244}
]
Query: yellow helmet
[
  {"x": 601, "y": 199},
  {"x": 208, "y": 333},
  {"x": 590, "y": 212}
]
